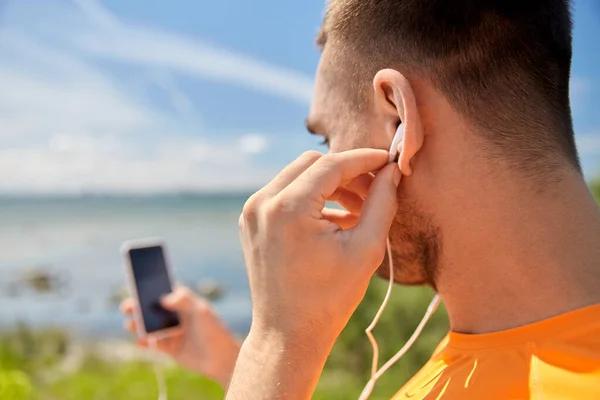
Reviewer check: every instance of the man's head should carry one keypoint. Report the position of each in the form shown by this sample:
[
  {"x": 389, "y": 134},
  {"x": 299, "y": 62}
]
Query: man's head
[{"x": 482, "y": 87}]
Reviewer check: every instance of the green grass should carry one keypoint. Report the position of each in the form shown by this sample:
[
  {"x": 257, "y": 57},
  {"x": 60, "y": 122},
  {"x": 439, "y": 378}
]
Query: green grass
[
  {"x": 27, "y": 358},
  {"x": 349, "y": 365},
  {"x": 595, "y": 188},
  {"x": 100, "y": 380},
  {"x": 29, "y": 362}
]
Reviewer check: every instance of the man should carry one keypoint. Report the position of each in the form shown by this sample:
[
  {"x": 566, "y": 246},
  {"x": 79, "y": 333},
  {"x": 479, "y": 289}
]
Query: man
[{"x": 490, "y": 208}]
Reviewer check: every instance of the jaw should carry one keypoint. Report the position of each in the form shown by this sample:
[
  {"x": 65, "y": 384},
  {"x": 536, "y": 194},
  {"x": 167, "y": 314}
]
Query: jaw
[{"x": 403, "y": 276}]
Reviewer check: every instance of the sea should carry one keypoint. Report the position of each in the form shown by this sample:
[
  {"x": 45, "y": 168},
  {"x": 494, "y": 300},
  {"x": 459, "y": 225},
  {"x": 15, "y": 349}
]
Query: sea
[{"x": 60, "y": 264}]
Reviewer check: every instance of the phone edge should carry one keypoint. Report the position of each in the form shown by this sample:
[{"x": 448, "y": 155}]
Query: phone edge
[{"x": 125, "y": 248}]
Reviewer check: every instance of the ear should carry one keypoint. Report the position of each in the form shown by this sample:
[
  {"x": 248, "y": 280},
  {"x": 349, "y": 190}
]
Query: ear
[{"x": 395, "y": 100}]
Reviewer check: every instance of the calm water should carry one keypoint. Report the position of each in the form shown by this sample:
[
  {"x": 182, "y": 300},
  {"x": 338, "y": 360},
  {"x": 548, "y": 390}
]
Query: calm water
[{"x": 78, "y": 240}]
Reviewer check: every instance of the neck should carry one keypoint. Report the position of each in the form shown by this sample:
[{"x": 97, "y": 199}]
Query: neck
[{"x": 519, "y": 256}]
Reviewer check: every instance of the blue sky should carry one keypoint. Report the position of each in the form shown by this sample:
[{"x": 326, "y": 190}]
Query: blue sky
[{"x": 149, "y": 95}]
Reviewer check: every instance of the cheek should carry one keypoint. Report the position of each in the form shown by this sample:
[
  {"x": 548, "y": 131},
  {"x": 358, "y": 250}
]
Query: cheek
[
  {"x": 371, "y": 134},
  {"x": 343, "y": 142},
  {"x": 353, "y": 136}
]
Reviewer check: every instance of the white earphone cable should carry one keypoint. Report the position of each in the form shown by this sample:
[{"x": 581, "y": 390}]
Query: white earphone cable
[
  {"x": 369, "y": 330},
  {"x": 375, "y": 373},
  {"x": 158, "y": 372}
]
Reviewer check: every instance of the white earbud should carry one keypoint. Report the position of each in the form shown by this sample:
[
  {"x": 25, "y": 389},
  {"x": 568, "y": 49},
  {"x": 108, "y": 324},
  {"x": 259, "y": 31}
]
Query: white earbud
[{"x": 396, "y": 142}]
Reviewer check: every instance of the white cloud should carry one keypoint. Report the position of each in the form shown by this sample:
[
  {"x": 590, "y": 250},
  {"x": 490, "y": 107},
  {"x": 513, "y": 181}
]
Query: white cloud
[
  {"x": 139, "y": 45},
  {"x": 77, "y": 163},
  {"x": 69, "y": 125},
  {"x": 179, "y": 100},
  {"x": 32, "y": 106},
  {"x": 253, "y": 144}
]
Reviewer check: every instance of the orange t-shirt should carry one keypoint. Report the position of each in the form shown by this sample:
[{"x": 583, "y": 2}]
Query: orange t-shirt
[{"x": 558, "y": 358}]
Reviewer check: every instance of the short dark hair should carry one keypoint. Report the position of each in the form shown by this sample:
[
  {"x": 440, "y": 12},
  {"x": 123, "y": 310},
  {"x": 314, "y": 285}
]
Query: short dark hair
[{"x": 503, "y": 64}]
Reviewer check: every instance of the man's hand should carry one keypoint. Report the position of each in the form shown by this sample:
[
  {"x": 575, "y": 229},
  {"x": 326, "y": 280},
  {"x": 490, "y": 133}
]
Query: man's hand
[
  {"x": 309, "y": 267},
  {"x": 203, "y": 344}
]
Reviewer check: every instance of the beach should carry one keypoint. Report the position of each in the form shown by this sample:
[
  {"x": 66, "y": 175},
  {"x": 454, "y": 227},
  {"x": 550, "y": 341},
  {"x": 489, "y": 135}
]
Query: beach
[{"x": 60, "y": 264}]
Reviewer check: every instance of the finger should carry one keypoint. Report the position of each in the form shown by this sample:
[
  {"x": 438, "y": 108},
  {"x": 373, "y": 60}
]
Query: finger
[
  {"x": 130, "y": 326},
  {"x": 166, "y": 344},
  {"x": 360, "y": 185},
  {"x": 159, "y": 345},
  {"x": 203, "y": 305},
  {"x": 347, "y": 199},
  {"x": 290, "y": 173},
  {"x": 344, "y": 219},
  {"x": 181, "y": 299},
  {"x": 127, "y": 306},
  {"x": 327, "y": 174},
  {"x": 351, "y": 196},
  {"x": 379, "y": 209}
]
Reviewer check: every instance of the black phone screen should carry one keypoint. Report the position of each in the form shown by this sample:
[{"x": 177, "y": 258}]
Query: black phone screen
[{"x": 152, "y": 282}]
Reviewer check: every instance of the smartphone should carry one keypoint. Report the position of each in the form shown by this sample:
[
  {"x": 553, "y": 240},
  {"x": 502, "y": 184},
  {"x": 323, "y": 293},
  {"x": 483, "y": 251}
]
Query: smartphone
[{"x": 149, "y": 278}]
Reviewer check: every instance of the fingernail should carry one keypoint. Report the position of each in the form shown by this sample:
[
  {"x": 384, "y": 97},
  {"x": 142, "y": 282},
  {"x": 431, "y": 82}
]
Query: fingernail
[{"x": 397, "y": 176}]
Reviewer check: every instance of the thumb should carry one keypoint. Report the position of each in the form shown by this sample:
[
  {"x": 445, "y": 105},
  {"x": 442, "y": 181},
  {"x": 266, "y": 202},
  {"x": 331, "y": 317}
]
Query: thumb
[
  {"x": 379, "y": 208},
  {"x": 182, "y": 299}
]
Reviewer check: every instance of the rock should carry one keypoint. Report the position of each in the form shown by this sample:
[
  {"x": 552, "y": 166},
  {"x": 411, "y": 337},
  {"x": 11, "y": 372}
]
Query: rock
[
  {"x": 43, "y": 280},
  {"x": 211, "y": 290}
]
